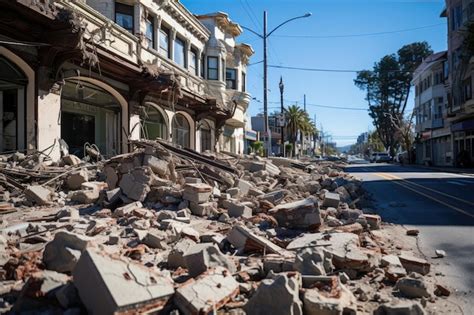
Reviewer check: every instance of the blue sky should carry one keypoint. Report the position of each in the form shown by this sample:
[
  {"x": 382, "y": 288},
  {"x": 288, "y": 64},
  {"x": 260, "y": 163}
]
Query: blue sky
[{"x": 330, "y": 17}]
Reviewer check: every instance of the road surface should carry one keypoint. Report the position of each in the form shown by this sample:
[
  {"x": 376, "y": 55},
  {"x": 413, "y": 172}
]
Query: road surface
[{"x": 441, "y": 206}]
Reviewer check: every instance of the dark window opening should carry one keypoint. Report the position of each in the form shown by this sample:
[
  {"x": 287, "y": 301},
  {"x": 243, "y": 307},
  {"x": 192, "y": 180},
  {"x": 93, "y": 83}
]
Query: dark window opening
[
  {"x": 193, "y": 62},
  {"x": 150, "y": 32},
  {"x": 244, "y": 82},
  {"x": 212, "y": 68},
  {"x": 165, "y": 42},
  {"x": 124, "y": 16},
  {"x": 179, "y": 52},
  {"x": 231, "y": 79}
]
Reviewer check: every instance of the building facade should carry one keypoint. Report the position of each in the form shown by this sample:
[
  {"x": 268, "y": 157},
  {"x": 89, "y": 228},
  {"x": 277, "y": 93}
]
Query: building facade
[
  {"x": 433, "y": 134},
  {"x": 103, "y": 72}
]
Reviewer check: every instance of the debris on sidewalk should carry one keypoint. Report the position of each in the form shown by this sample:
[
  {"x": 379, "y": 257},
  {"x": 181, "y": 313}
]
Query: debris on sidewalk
[{"x": 162, "y": 228}]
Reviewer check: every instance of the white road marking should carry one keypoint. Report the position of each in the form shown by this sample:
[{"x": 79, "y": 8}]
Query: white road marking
[{"x": 455, "y": 183}]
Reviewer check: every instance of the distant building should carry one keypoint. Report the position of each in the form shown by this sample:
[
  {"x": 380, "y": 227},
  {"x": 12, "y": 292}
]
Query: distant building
[
  {"x": 433, "y": 135},
  {"x": 258, "y": 124}
]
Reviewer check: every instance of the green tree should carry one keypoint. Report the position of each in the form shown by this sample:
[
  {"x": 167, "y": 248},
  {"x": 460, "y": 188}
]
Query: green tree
[
  {"x": 295, "y": 122},
  {"x": 387, "y": 88}
]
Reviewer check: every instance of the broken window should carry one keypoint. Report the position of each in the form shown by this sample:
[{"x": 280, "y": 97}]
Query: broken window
[
  {"x": 181, "y": 131},
  {"x": 124, "y": 16},
  {"x": 91, "y": 115},
  {"x": 154, "y": 125}
]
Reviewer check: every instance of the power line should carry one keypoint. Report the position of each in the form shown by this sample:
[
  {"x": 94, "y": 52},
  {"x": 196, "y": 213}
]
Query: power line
[
  {"x": 362, "y": 34},
  {"x": 324, "y": 106},
  {"x": 327, "y": 70}
]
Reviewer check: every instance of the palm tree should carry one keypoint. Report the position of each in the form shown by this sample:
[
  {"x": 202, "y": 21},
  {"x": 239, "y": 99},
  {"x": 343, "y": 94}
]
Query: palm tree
[{"x": 295, "y": 121}]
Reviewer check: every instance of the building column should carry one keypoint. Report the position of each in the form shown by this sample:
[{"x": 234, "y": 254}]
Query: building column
[
  {"x": 157, "y": 21},
  {"x": 198, "y": 64},
  {"x": 187, "y": 50},
  {"x": 172, "y": 39}
]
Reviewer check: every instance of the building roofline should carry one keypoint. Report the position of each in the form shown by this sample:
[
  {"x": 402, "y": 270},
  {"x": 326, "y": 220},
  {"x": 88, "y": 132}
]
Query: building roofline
[{"x": 223, "y": 22}]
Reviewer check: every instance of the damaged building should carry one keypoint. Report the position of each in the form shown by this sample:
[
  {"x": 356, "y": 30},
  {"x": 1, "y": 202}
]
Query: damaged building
[{"x": 91, "y": 75}]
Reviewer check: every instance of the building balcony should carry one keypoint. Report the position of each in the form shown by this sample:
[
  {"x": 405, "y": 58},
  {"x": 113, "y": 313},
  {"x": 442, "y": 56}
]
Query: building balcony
[{"x": 437, "y": 123}]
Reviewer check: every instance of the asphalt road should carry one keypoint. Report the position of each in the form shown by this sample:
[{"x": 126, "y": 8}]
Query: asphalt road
[{"x": 441, "y": 206}]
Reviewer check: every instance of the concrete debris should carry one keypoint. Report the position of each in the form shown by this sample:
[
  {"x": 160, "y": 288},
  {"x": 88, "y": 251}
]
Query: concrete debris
[
  {"x": 231, "y": 235},
  {"x": 440, "y": 253},
  {"x": 63, "y": 252},
  {"x": 207, "y": 293},
  {"x": 279, "y": 295},
  {"x": 327, "y": 295},
  {"x": 108, "y": 285}
]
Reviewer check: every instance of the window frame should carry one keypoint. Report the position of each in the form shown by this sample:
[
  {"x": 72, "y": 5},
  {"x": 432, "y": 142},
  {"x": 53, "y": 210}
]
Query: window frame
[
  {"x": 209, "y": 68},
  {"x": 193, "y": 53},
  {"x": 203, "y": 66},
  {"x": 150, "y": 20},
  {"x": 175, "y": 51},
  {"x": 165, "y": 32},
  {"x": 243, "y": 84},
  {"x": 233, "y": 82},
  {"x": 125, "y": 9}
]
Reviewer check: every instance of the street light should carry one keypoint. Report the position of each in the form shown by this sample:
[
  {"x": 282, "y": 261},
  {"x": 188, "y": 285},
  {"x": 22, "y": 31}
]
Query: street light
[
  {"x": 265, "y": 94},
  {"x": 282, "y": 87}
]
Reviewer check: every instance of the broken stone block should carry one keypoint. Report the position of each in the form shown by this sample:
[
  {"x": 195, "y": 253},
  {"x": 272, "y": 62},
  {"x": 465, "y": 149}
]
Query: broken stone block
[
  {"x": 393, "y": 267},
  {"x": 413, "y": 286},
  {"x": 328, "y": 296},
  {"x": 109, "y": 285},
  {"x": 113, "y": 195},
  {"x": 85, "y": 196},
  {"x": 274, "y": 197},
  {"x": 373, "y": 220},
  {"x": 136, "y": 184},
  {"x": 192, "y": 180},
  {"x": 244, "y": 186},
  {"x": 398, "y": 307},
  {"x": 440, "y": 253},
  {"x": 277, "y": 263},
  {"x": 238, "y": 210},
  {"x": 207, "y": 293},
  {"x": 279, "y": 295},
  {"x": 176, "y": 255},
  {"x": 191, "y": 233},
  {"x": 242, "y": 238},
  {"x": 38, "y": 195},
  {"x": 414, "y": 264},
  {"x": 198, "y": 193},
  {"x": 344, "y": 247},
  {"x": 201, "y": 209},
  {"x": 111, "y": 176},
  {"x": 331, "y": 200},
  {"x": 313, "y": 261},
  {"x": 201, "y": 257},
  {"x": 63, "y": 252},
  {"x": 71, "y": 160},
  {"x": 75, "y": 179},
  {"x": 155, "y": 239},
  {"x": 68, "y": 213},
  {"x": 158, "y": 166},
  {"x": 302, "y": 214},
  {"x": 127, "y": 209},
  {"x": 234, "y": 192},
  {"x": 441, "y": 290}
]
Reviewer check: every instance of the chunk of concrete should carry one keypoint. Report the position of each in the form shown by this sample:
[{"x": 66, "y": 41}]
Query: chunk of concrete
[
  {"x": 176, "y": 255},
  {"x": 237, "y": 210},
  {"x": 158, "y": 166},
  {"x": 279, "y": 295},
  {"x": 313, "y": 261},
  {"x": 38, "y": 195},
  {"x": 329, "y": 296},
  {"x": 200, "y": 257},
  {"x": 155, "y": 239},
  {"x": 331, "y": 200},
  {"x": 413, "y": 287},
  {"x": 76, "y": 179},
  {"x": 201, "y": 209},
  {"x": 135, "y": 187},
  {"x": 198, "y": 193},
  {"x": 374, "y": 221},
  {"x": 302, "y": 214},
  {"x": 414, "y": 264},
  {"x": 63, "y": 252},
  {"x": 244, "y": 186},
  {"x": 393, "y": 267},
  {"x": 85, "y": 196},
  {"x": 109, "y": 285},
  {"x": 71, "y": 160},
  {"x": 399, "y": 307},
  {"x": 207, "y": 293},
  {"x": 127, "y": 209},
  {"x": 242, "y": 238}
]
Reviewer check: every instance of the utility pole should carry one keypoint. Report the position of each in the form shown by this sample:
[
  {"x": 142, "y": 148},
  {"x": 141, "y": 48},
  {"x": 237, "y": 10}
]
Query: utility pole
[
  {"x": 303, "y": 136},
  {"x": 265, "y": 83},
  {"x": 314, "y": 136},
  {"x": 264, "y": 36},
  {"x": 282, "y": 126}
]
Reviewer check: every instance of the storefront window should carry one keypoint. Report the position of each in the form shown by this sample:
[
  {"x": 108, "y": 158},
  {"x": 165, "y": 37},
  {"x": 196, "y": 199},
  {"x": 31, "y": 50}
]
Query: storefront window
[
  {"x": 181, "y": 131},
  {"x": 91, "y": 115},
  {"x": 154, "y": 125}
]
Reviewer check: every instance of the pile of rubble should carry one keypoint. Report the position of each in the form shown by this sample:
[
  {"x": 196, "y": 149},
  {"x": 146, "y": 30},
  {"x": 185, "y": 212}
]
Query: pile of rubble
[{"x": 170, "y": 230}]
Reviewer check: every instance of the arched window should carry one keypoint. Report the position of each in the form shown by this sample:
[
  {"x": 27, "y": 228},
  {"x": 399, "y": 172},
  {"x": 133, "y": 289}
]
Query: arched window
[
  {"x": 181, "y": 131},
  {"x": 154, "y": 124},
  {"x": 89, "y": 114},
  {"x": 206, "y": 139},
  {"x": 12, "y": 106}
]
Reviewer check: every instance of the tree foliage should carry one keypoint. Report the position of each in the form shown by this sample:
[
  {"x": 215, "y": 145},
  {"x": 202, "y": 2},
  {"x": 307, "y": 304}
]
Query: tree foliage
[
  {"x": 298, "y": 123},
  {"x": 387, "y": 88}
]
